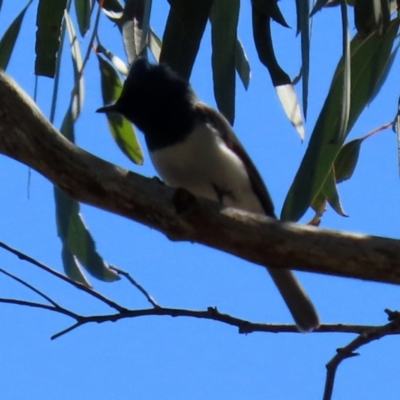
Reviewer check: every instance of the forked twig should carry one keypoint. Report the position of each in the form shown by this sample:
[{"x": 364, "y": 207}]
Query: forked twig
[
  {"x": 368, "y": 335},
  {"x": 136, "y": 284},
  {"x": 64, "y": 278}
]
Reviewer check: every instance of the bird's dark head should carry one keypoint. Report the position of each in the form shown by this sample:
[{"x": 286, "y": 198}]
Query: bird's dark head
[{"x": 157, "y": 100}]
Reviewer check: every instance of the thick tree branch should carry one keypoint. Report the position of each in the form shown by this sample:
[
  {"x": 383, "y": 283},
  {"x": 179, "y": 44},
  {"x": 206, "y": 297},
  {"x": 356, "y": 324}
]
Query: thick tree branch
[{"x": 28, "y": 137}]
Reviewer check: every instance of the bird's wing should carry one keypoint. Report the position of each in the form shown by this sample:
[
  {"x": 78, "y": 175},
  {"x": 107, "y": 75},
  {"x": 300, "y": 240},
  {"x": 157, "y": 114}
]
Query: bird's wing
[{"x": 224, "y": 129}]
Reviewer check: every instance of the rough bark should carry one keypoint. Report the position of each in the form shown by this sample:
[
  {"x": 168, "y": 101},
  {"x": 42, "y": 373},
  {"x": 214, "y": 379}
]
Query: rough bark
[{"x": 33, "y": 141}]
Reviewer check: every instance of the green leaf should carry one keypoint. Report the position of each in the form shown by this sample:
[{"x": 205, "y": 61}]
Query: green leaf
[
  {"x": 345, "y": 101},
  {"x": 303, "y": 27},
  {"x": 346, "y": 160},
  {"x": 78, "y": 90},
  {"x": 155, "y": 44},
  {"x": 48, "y": 21},
  {"x": 369, "y": 60},
  {"x": 224, "y": 19},
  {"x": 270, "y": 8},
  {"x": 72, "y": 268},
  {"x": 242, "y": 64},
  {"x": 83, "y": 11},
  {"x": 280, "y": 79},
  {"x": 119, "y": 64},
  {"x": 185, "y": 26},
  {"x": 135, "y": 27},
  {"x": 317, "y": 6},
  {"x": 9, "y": 38},
  {"x": 371, "y": 15},
  {"x": 287, "y": 97},
  {"x": 112, "y": 6},
  {"x": 330, "y": 193},
  {"x": 76, "y": 239},
  {"x": 265, "y": 51},
  {"x": 120, "y": 128}
]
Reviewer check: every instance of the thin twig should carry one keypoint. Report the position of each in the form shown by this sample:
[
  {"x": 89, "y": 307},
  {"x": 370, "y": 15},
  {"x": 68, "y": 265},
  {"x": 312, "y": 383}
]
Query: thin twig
[
  {"x": 367, "y": 336},
  {"x": 244, "y": 326},
  {"x": 57, "y": 274},
  {"x": 65, "y": 331},
  {"x": 136, "y": 284},
  {"x": 28, "y": 285},
  {"x": 58, "y": 309}
]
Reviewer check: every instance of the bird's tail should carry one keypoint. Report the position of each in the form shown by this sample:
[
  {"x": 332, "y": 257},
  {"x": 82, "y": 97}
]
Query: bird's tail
[{"x": 296, "y": 299}]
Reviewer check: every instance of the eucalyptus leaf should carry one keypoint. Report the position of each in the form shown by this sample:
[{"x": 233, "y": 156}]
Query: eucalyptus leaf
[
  {"x": 287, "y": 97},
  {"x": 7, "y": 42},
  {"x": 78, "y": 91},
  {"x": 346, "y": 160},
  {"x": 319, "y": 4},
  {"x": 120, "y": 128},
  {"x": 330, "y": 193},
  {"x": 224, "y": 19},
  {"x": 72, "y": 268},
  {"x": 119, "y": 64},
  {"x": 242, "y": 64},
  {"x": 369, "y": 61},
  {"x": 303, "y": 28},
  {"x": 135, "y": 27},
  {"x": 263, "y": 41},
  {"x": 78, "y": 244},
  {"x": 155, "y": 44},
  {"x": 48, "y": 21},
  {"x": 183, "y": 32},
  {"x": 83, "y": 12},
  {"x": 270, "y": 8}
]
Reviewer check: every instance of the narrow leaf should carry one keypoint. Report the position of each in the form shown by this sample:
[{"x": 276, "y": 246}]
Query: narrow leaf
[
  {"x": 155, "y": 44},
  {"x": 318, "y": 6},
  {"x": 72, "y": 268},
  {"x": 369, "y": 60},
  {"x": 83, "y": 11},
  {"x": 135, "y": 27},
  {"x": 345, "y": 103},
  {"x": 120, "y": 128},
  {"x": 119, "y": 64},
  {"x": 9, "y": 38},
  {"x": 112, "y": 6},
  {"x": 281, "y": 81},
  {"x": 270, "y": 8},
  {"x": 78, "y": 91},
  {"x": 224, "y": 19},
  {"x": 185, "y": 26},
  {"x": 303, "y": 27},
  {"x": 330, "y": 193},
  {"x": 371, "y": 15},
  {"x": 290, "y": 105},
  {"x": 72, "y": 231},
  {"x": 346, "y": 160},
  {"x": 242, "y": 65},
  {"x": 48, "y": 21},
  {"x": 265, "y": 51}
]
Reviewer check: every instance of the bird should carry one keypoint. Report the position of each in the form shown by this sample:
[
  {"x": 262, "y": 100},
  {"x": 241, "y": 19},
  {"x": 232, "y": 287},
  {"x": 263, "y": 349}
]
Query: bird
[{"x": 192, "y": 146}]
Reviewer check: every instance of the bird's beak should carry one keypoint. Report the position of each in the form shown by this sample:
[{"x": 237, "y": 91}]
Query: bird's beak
[{"x": 108, "y": 109}]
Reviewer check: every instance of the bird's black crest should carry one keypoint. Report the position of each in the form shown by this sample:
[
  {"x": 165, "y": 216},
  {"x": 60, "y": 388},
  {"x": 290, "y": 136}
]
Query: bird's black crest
[{"x": 158, "y": 101}]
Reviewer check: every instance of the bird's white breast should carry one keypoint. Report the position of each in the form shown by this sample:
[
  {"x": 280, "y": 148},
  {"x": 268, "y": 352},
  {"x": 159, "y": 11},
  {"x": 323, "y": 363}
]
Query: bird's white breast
[{"x": 202, "y": 162}]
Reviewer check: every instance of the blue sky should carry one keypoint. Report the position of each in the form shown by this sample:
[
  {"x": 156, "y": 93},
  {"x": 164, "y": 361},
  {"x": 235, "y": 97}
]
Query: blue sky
[{"x": 166, "y": 358}]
